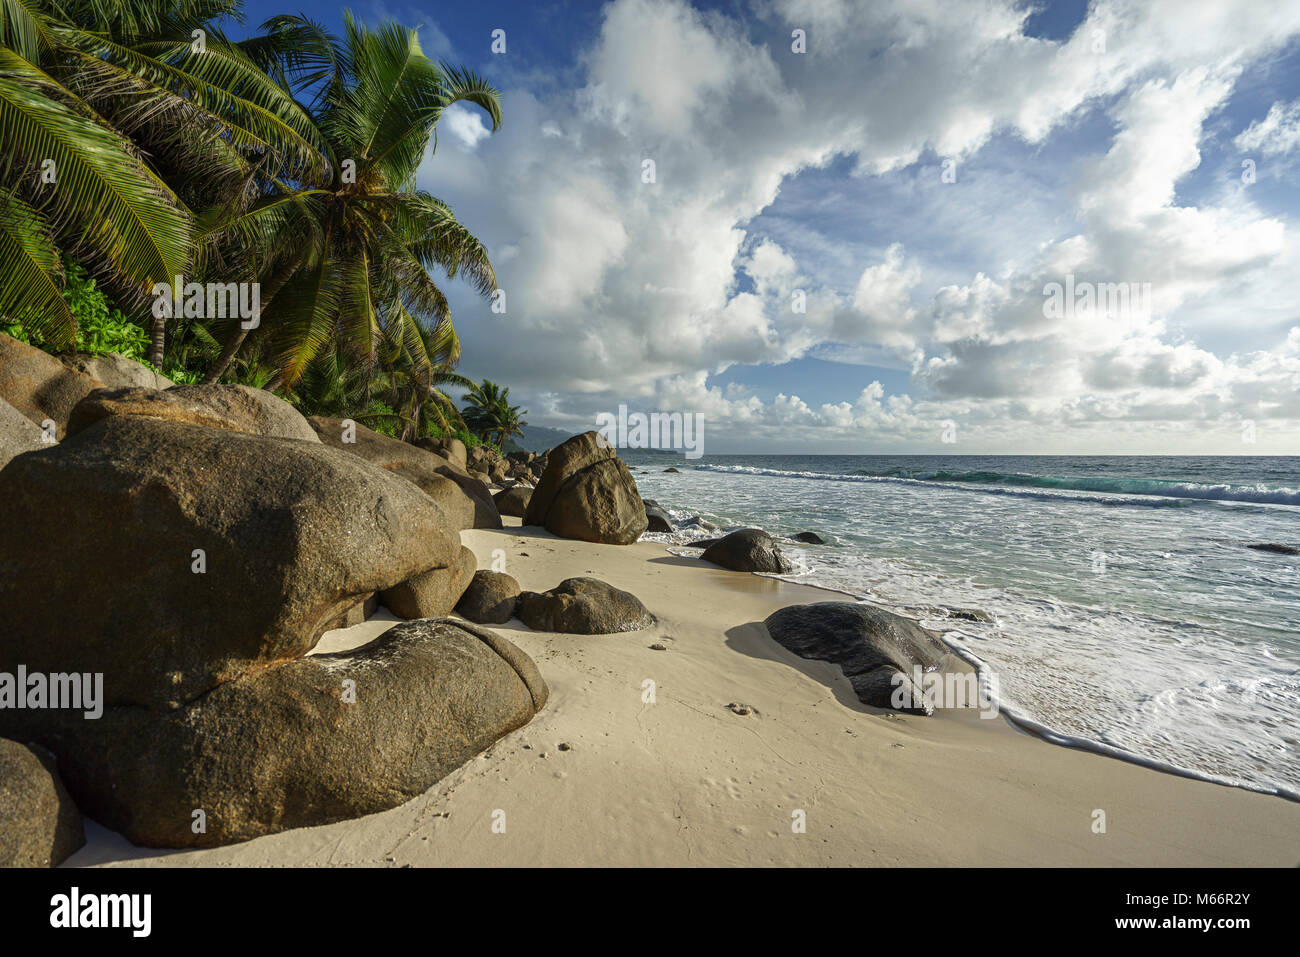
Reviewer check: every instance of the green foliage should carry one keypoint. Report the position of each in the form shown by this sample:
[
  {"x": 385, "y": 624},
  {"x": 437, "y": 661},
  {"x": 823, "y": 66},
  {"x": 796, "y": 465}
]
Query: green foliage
[
  {"x": 182, "y": 376},
  {"x": 469, "y": 438},
  {"x": 380, "y": 417},
  {"x": 123, "y": 147},
  {"x": 101, "y": 327},
  {"x": 489, "y": 414}
]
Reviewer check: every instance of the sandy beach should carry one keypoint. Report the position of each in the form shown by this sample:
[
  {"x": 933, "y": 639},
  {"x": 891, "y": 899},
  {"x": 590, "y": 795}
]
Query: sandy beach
[{"x": 603, "y": 777}]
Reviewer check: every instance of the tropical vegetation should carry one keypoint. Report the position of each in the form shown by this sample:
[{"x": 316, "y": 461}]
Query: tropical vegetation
[
  {"x": 489, "y": 414},
  {"x": 138, "y": 144}
]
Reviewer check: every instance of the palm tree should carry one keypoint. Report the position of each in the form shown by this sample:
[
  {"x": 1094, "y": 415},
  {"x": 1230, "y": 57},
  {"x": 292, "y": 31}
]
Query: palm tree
[
  {"x": 117, "y": 120},
  {"x": 489, "y": 414},
  {"x": 362, "y": 278}
]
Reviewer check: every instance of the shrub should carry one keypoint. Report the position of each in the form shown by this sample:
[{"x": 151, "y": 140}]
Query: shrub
[{"x": 101, "y": 328}]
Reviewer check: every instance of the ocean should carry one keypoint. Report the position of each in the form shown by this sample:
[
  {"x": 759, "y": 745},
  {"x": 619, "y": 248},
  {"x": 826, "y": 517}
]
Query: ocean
[{"x": 1128, "y": 614}]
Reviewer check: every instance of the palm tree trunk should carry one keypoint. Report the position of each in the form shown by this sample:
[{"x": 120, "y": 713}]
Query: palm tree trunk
[
  {"x": 237, "y": 340},
  {"x": 159, "y": 334},
  {"x": 227, "y": 355}
]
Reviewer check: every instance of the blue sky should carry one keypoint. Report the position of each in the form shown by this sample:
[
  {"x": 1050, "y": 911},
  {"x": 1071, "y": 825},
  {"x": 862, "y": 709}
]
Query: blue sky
[{"x": 1101, "y": 140}]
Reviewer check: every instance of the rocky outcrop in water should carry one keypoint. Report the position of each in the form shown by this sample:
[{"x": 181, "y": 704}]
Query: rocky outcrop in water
[
  {"x": 747, "y": 550},
  {"x": 876, "y": 649}
]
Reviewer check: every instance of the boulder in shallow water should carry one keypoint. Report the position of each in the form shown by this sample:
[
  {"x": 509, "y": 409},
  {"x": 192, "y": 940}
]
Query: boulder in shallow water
[
  {"x": 657, "y": 517},
  {"x": 808, "y": 538},
  {"x": 39, "y": 824},
  {"x": 491, "y": 598},
  {"x": 584, "y": 606},
  {"x": 876, "y": 649},
  {"x": 587, "y": 493},
  {"x": 747, "y": 550},
  {"x": 304, "y": 743},
  {"x": 1276, "y": 548}
]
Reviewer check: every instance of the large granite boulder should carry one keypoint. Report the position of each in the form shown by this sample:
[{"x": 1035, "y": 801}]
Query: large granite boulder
[
  {"x": 305, "y": 742},
  {"x": 747, "y": 550},
  {"x": 587, "y": 493},
  {"x": 583, "y": 606},
  {"x": 40, "y": 386},
  {"x": 39, "y": 824},
  {"x": 491, "y": 598},
  {"x": 434, "y": 593},
  {"x": 471, "y": 508},
  {"x": 513, "y": 501},
  {"x": 118, "y": 372},
  {"x": 18, "y": 434},
  {"x": 876, "y": 649},
  {"x": 238, "y": 408},
  {"x": 173, "y": 557},
  {"x": 451, "y": 449}
]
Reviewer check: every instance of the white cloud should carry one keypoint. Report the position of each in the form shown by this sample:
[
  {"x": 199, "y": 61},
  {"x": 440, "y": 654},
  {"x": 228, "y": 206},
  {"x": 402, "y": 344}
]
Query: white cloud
[
  {"x": 1276, "y": 134},
  {"x": 618, "y": 287},
  {"x": 463, "y": 123}
]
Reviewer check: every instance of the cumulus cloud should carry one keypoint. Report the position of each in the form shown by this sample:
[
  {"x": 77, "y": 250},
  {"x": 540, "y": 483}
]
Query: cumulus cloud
[
  {"x": 1276, "y": 134},
  {"x": 622, "y": 217}
]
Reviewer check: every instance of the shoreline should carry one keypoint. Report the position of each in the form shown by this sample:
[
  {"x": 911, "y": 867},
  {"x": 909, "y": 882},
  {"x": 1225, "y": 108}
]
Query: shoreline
[
  {"x": 957, "y": 638},
  {"x": 685, "y": 780}
]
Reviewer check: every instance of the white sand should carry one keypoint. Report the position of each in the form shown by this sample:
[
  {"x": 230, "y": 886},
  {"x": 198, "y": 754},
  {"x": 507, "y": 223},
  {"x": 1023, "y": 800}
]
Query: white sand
[{"x": 685, "y": 780}]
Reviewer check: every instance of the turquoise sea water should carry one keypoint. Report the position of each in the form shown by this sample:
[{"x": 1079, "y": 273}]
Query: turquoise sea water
[{"x": 1129, "y": 613}]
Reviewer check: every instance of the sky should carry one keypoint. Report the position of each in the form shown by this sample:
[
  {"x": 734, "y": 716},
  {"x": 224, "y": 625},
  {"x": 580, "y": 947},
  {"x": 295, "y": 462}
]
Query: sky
[{"x": 864, "y": 218}]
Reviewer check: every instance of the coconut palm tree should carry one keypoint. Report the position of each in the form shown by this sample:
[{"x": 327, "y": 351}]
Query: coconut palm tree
[
  {"x": 363, "y": 279},
  {"x": 489, "y": 414},
  {"x": 118, "y": 119}
]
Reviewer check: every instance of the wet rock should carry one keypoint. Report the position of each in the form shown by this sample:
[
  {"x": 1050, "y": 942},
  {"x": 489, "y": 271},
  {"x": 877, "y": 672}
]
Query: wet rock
[
  {"x": 809, "y": 538},
  {"x": 876, "y": 649},
  {"x": 747, "y": 550}
]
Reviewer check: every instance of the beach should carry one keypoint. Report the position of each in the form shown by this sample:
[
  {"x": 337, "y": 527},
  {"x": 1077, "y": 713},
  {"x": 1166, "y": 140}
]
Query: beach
[{"x": 602, "y": 777}]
